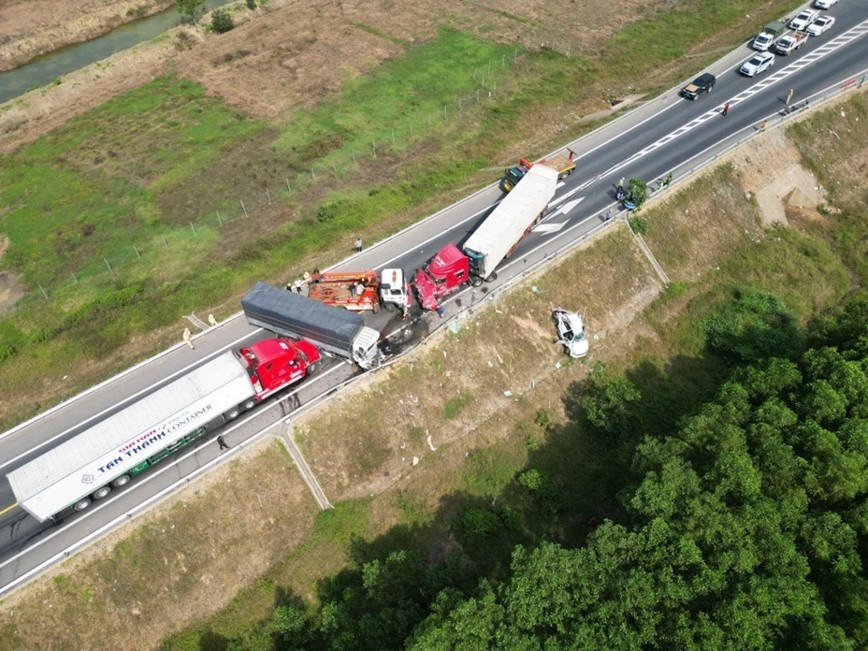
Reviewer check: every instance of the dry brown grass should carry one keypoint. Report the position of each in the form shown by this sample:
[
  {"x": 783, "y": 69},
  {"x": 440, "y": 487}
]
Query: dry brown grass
[
  {"x": 185, "y": 560},
  {"x": 222, "y": 546}
]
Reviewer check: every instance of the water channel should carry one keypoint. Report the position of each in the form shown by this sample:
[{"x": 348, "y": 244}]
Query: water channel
[{"x": 48, "y": 67}]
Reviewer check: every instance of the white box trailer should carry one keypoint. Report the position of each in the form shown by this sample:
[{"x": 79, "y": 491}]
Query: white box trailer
[
  {"x": 501, "y": 232},
  {"x": 108, "y": 454}
]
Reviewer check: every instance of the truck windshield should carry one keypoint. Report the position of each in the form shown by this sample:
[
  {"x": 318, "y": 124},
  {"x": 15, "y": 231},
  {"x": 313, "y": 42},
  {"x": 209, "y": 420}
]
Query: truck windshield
[{"x": 514, "y": 175}]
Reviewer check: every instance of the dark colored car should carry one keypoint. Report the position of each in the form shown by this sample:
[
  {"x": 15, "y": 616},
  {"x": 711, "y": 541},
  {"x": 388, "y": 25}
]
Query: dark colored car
[{"x": 700, "y": 86}]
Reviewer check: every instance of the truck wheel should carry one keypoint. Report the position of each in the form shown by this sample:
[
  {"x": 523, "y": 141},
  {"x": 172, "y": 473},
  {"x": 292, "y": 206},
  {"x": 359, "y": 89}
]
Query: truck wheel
[
  {"x": 476, "y": 281},
  {"x": 123, "y": 480},
  {"x": 250, "y": 404},
  {"x": 232, "y": 414},
  {"x": 81, "y": 505},
  {"x": 312, "y": 368},
  {"x": 491, "y": 278},
  {"x": 390, "y": 307},
  {"x": 102, "y": 492}
]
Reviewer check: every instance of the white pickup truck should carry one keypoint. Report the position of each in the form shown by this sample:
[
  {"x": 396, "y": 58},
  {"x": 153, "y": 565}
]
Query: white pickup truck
[{"x": 789, "y": 43}]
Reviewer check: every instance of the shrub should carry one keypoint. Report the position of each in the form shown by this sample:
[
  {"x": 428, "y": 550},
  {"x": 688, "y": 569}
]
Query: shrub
[
  {"x": 479, "y": 523},
  {"x": 531, "y": 480},
  {"x": 221, "y": 21}
]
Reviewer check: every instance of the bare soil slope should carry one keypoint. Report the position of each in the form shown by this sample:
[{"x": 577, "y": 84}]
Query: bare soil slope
[
  {"x": 90, "y": 602},
  {"x": 265, "y": 67}
]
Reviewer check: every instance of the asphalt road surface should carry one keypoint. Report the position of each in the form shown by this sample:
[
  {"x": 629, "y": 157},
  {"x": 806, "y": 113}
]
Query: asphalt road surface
[{"x": 665, "y": 134}]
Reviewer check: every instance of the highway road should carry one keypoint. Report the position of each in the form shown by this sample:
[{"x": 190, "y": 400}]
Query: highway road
[{"x": 665, "y": 134}]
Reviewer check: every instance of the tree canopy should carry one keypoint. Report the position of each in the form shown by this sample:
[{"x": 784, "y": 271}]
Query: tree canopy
[{"x": 743, "y": 527}]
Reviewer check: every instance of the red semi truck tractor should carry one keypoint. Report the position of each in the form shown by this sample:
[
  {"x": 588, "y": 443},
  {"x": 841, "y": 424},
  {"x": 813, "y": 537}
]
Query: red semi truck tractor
[
  {"x": 109, "y": 453},
  {"x": 495, "y": 239}
]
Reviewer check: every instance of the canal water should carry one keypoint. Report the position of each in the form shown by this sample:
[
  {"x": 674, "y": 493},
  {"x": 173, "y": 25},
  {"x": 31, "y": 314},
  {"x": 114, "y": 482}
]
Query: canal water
[{"x": 42, "y": 70}]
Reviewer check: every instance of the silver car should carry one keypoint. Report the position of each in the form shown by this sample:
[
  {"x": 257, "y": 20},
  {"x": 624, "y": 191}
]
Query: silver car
[{"x": 757, "y": 63}]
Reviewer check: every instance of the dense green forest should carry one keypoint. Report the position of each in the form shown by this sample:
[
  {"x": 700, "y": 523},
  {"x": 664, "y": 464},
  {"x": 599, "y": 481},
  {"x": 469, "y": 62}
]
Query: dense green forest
[{"x": 737, "y": 522}]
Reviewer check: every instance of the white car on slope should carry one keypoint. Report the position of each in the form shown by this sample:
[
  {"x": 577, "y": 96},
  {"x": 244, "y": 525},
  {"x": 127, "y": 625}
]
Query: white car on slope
[
  {"x": 824, "y": 4},
  {"x": 820, "y": 25},
  {"x": 757, "y": 63},
  {"x": 571, "y": 332},
  {"x": 804, "y": 19}
]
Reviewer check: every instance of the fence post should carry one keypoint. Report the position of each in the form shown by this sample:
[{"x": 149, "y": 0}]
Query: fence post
[
  {"x": 193, "y": 228},
  {"x": 219, "y": 221},
  {"x": 289, "y": 189},
  {"x": 109, "y": 266},
  {"x": 136, "y": 249},
  {"x": 244, "y": 210},
  {"x": 44, "y": 293}
]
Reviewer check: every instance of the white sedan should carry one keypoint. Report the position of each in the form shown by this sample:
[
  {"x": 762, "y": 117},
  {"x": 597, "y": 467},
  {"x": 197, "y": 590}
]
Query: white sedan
[
  {"x": 803, "y": 19},
  {"x": 824, "y": 4},
  {"x": 820, "y": 25},
  {"x": 757, "y": 63},
  {"x": 571, "y": 332}
]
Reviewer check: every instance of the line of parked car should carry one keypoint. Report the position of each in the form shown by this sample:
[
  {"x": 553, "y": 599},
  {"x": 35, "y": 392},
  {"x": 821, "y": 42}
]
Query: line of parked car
[{"x": 781, "y": 37}]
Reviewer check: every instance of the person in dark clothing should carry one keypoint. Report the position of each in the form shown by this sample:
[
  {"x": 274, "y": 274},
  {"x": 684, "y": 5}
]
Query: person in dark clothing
[{"x": 222, "y": 443}]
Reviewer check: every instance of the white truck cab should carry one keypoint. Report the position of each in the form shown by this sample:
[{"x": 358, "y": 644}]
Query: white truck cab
[{"x": 394, "y": 289}]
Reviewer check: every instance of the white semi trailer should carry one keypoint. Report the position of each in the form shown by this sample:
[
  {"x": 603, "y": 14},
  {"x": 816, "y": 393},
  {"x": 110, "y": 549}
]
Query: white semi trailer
[{"x": 107, "y": 455}]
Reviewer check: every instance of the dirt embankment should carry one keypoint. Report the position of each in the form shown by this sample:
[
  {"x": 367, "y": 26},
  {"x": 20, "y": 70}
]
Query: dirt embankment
[
  {"x": 264, "y": 67},
  {"x": 34, "y": 27}
]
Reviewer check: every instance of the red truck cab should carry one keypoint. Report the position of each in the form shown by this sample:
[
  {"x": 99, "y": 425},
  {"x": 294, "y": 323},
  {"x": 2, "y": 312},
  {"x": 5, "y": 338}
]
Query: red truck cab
[
  {"x": 445, "y": 273},
  {"x": 273, "y": 364}
]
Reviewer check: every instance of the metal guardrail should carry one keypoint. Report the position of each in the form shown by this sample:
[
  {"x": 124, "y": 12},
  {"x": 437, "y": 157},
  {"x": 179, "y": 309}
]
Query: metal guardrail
[{"x": 687, "y": 171}]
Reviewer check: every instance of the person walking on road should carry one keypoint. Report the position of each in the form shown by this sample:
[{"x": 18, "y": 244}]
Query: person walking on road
[
  {"x": 789, "y": 97},
  {"x": 222, "y": 443},
  {"x": 725, "y": 109}
]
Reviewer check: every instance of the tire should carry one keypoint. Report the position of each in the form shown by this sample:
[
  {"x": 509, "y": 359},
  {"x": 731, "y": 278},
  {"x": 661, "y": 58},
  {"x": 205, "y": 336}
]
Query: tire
[
  {"x": 492, "y": 277},
  {"x": 123, "y": 480},
  {"x": 476, "y": 281},
  {"x": 232, "y": 414},
  {"x": 312, "y": 368},
  {"x": 250, "y": 404},
  {"x": 81, "y": 505},
  {"x": 390, "y": 307},
  {"x": 102, "y": 492}
]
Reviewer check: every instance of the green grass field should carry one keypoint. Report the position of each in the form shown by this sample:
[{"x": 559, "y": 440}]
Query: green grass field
[
  {"x": 129, "y": 216},
  {"x": 503, "y": 492}
]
